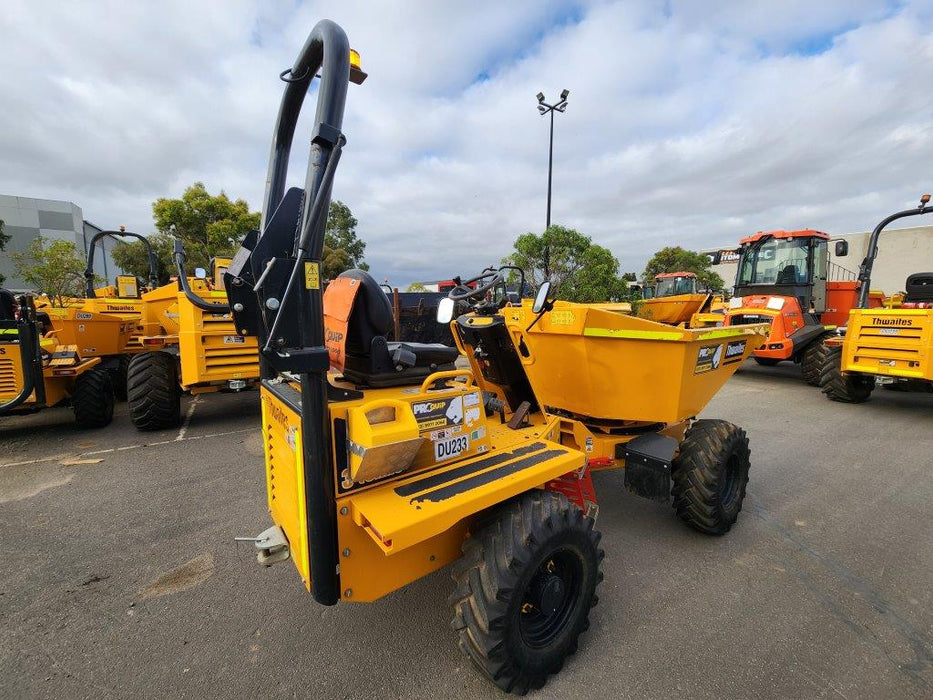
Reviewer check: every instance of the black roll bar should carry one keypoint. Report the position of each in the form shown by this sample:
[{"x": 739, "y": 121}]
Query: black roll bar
[
  {"x": 180, "y": 257},
  {"x": 864, "y": 274},
  {"x": 327, "y": 46},
  {"x": 89, "y": 270}
]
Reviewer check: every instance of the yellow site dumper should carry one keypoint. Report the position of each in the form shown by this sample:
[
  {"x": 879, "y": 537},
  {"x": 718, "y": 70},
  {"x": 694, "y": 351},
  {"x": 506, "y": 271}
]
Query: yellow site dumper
[
  {"x": 385, "y": 461},
  {"x": 38, "y": 370}
]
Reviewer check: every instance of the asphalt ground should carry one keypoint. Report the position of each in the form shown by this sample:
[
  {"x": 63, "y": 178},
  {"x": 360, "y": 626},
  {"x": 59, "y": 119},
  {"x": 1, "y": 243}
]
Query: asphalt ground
[{"x": 120, "y": 577}]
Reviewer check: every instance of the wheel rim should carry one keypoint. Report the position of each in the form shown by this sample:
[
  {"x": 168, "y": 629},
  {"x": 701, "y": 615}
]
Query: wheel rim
[
  {"x": 550, "y": 598},
  {"x": 731, "y": 482}
]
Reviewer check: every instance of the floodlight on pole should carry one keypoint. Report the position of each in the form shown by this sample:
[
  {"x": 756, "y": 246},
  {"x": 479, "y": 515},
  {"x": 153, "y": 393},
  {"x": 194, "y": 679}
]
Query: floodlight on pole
[{"x": 545, "y": 108}]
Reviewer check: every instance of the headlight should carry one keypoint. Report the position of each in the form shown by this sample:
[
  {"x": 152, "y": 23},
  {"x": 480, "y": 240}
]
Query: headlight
[
  {"x": 775, "y": 303},
  {"x": 735, "y": 303}
]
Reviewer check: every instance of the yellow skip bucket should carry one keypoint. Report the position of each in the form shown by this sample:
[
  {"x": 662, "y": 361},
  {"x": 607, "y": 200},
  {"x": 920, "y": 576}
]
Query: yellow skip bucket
[{"x": 597, "y": 363}]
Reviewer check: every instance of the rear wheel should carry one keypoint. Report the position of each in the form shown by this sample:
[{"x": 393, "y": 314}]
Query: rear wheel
[
  {"x": 153, "y": 395},
  {"x": 92, "y": 400},
  {"x": 843, "y": 387},
  {"x": 813, "y": 359},
  {"x": 766, "y": 361},
  {"x": 524, "y": 589},
  {"x": 710, "y": 475}
]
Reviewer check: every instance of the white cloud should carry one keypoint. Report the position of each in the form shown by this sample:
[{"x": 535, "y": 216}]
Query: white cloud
[{"x": 689, "y": 123}]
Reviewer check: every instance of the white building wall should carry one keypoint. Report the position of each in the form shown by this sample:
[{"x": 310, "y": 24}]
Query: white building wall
[{"x": 24, "y": 218}]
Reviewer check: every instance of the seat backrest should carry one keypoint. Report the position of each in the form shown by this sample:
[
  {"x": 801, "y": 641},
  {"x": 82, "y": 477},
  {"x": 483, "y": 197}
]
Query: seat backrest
[
  {"x": 371, "y": 315},
  {"x": 919, "y": 287},
  {"x": 7, "y": 305},
  {"x": 788, "y": 275}
]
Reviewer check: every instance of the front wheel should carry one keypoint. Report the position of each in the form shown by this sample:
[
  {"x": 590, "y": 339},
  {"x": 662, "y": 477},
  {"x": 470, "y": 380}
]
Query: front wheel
[
  {"x": 524, "y": 589},
  {"x": 843, "y": 387},
  {"x": 710, "y": 475},
  {"x": 153, "y": 394},
  {"x": 813, "y": 359},
  {"x": 92, "y": 400}
]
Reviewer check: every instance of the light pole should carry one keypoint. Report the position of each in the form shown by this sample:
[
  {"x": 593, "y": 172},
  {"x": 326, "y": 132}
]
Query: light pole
[{"x": 545, "y": 108}]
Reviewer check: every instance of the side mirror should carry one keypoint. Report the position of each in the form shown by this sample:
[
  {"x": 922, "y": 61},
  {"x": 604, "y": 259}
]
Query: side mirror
[
  {"x": 842, "y": 249},
  {"x": 445, "y": 310},
  {"x": 540, "y": 303},
  {"x": 200, "y": 273}
]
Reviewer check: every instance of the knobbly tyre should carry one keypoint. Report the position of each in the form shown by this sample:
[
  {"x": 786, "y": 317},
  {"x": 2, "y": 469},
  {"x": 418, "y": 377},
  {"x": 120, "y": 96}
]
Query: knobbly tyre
[
  {"x": 892, "y": 346},
  {"x": 385, "y": 462}
]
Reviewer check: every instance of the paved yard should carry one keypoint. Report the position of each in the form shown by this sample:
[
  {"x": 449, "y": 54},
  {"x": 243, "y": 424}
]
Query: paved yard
[{"x": 120, "y": 577}]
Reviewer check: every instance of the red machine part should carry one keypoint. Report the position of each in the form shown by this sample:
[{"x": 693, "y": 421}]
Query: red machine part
[{"x": 577, "y": 486}]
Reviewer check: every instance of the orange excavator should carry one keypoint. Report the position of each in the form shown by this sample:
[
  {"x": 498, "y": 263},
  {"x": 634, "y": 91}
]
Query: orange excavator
[{"x": 785, "y": 278}]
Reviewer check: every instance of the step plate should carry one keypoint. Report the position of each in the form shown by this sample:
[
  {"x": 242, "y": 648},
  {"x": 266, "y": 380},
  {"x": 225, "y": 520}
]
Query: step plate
[{"x": 401, "y": 514}]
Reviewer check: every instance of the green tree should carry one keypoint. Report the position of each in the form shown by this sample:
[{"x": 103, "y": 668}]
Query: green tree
[
  {"x": 4, "y": 239},
  {"x": 343, "y": 249},
  {"x": 676, "y": 259},
  {"x": 416, "y": 287},
  {"x": 578, "y": 269},
  {"x": 52, "y": 267},
  {"x": 133, "y": 259},
  {"x": 207, "y": 224},
  {"x": 334, "y": 261}
]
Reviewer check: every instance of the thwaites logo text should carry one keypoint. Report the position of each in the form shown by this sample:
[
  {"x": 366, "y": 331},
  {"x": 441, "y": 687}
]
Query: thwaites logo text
[
  {"x": 278, "y": 415},
  {"x": 875, "y": 321},
  {"x": 735, "y": 349}
]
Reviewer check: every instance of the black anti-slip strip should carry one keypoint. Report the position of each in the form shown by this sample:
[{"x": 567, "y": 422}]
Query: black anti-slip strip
[
  {"x": 435, "y": 480},
  {"x": 442, "y": 494}
]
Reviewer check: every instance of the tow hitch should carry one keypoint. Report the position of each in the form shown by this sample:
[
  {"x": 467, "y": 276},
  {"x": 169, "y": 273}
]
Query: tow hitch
[{"x": 271, "y": 544}]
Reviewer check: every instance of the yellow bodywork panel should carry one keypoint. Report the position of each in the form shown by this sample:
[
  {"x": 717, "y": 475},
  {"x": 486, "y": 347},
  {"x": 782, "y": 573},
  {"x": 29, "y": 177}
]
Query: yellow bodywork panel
[
  {"x": 894, "y": 342},
  {"x": 93, "y": 334},
  {"x": 394, "y": 530},
  {"x": 594, "y": 363},
  {"x": 211, "y": 349},
  {"x": 11, "y": 369}
]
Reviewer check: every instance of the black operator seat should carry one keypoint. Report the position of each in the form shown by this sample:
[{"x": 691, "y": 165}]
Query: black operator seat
[
  {"x": 919, "y": 287},
  {"x": 788, "y": 275},
  {"x": 7, "y": 305},
  {"x": 372, "y": 360}
]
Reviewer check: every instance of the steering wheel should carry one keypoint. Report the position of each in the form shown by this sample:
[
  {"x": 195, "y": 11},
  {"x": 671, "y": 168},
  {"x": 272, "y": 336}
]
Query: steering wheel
[{"x": 486, "y": 280}]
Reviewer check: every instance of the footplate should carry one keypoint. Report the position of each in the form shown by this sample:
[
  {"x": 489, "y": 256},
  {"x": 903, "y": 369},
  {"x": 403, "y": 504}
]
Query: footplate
[{"x": 405, "y": 513}]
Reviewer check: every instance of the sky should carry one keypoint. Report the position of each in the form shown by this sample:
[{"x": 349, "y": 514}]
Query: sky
[{"x": 689, "y": 123}]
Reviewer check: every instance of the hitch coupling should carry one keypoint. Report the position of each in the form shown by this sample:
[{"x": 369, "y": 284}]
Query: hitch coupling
[{"x": 272, "y": 545}]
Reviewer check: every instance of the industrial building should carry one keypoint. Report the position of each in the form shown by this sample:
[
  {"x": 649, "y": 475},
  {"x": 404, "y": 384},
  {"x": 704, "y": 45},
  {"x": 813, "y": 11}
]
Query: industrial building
[
  {"x": 901, "y": 252},
  {"x": 25, "y": 218}
]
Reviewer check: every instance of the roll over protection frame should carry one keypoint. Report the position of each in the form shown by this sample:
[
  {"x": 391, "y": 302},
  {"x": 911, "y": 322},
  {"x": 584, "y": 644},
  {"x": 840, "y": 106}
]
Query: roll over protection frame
[
  {"x": 864, "y": 273},
  {"x": 89, "y": 270},
  {"x": 178, "y": 252},
  {"x": 327, "y": 46}
]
